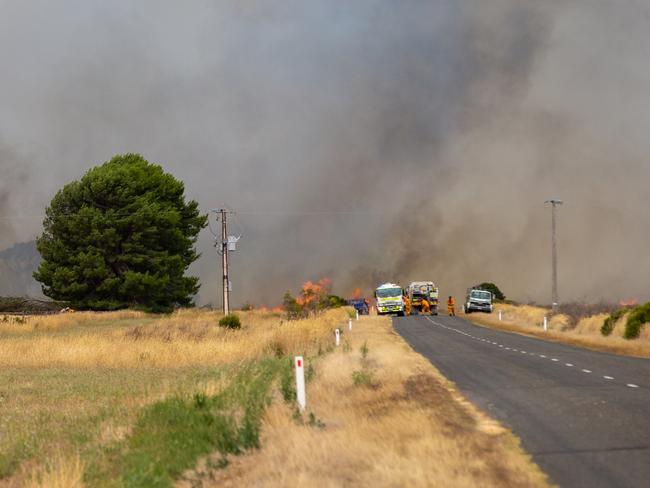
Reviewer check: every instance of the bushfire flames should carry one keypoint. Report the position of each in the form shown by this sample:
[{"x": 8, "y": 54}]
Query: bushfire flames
[
  {"x": 628, "y": 302},
  {"x": 314, "y": 292}
]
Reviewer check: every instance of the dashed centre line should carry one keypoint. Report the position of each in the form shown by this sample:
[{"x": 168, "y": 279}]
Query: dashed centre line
[{"x": 505, "y": 348}]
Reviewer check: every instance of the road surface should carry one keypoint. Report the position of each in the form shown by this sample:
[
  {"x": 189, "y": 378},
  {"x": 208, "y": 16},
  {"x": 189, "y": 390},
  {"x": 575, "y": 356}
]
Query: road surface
[{"x": 584, "y": 416}]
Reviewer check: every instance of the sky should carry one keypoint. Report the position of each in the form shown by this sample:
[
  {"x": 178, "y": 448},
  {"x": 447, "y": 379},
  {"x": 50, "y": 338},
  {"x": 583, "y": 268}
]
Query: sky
[{"x": 363, "y": 141}]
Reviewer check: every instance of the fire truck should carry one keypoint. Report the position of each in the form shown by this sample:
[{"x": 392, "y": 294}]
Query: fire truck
[{"x": 423, "y": 289}]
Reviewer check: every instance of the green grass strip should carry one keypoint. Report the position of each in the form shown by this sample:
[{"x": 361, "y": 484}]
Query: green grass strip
[{"x": 170, "y": 436}]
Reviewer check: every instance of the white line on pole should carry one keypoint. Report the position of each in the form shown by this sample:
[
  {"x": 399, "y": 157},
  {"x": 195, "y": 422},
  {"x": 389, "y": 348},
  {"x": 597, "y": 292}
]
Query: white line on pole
[
  {"x": 350, "y": 324},
  {"x": 338, "y": 336},
  {"x": 301, "y": 396},
  {"x": 545, "y": 323}
]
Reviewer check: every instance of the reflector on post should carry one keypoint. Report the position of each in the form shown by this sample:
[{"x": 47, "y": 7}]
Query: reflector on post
[{"x": 301, "y": 396}]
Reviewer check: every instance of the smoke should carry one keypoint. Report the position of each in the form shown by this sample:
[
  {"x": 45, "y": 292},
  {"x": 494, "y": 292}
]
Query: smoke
[
  {"x": 363, "y": 141},
  {"x": 12, "y": 185}
]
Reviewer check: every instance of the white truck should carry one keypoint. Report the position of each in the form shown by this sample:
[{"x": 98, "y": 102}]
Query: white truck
[
  {"x": 477, "y": 300},
  {"x": 389, "y": 297}
]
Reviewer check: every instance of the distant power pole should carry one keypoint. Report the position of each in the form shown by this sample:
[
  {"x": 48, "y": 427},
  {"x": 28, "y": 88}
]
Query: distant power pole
[
  {"x": 554, "y": 203},
  {"x": 224, "y": 245}
]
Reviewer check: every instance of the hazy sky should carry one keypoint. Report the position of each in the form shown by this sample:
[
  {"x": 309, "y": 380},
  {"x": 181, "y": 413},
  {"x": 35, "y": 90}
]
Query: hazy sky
[{"x": 364, "y": 141}]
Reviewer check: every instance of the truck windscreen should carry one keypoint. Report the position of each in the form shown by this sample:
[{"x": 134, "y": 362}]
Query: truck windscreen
[
  {"x": 481, "y": 295},
  {"x": 389, "y": 292}
]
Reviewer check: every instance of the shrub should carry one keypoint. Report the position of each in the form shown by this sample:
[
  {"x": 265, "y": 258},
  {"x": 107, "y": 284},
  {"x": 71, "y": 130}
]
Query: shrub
[
  {"x": 230, "y": 321},
  {"x": 334, "y": 301},
  {"x": 364, "y": 350},
  {"x": 364, "y": 377},
  {"x": 294, "y": 310},
  {"x": 610, "y": 322},
  {"x": 635, "y": 321}
]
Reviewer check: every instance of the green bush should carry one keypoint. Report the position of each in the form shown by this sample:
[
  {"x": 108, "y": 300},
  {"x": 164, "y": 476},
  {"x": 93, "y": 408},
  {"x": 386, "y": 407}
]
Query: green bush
[
  {"x": 635, "y": 321},
  {"x": 334, "y": 301},
  {"x": 610, "y": 322},
  {"x": 230, "y": 321}
]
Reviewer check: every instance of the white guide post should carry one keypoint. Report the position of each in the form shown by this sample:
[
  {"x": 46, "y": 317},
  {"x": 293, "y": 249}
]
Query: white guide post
[
  {"x": 545, "y": 323},
  {"x": 301, "y": 396},
  {"x": 337, "y": 333},
  {"x": 500, "y": 317},
  {"x": 350, "y": 324},
  {"x": 357, "y": 314}
]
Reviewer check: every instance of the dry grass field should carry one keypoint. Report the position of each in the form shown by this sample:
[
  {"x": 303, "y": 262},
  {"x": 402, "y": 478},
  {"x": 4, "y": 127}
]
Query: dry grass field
[
  {"x": 128, "y": 399},
  {"x": 586, "y": 333},
  {"x": 378, "y": 414}
]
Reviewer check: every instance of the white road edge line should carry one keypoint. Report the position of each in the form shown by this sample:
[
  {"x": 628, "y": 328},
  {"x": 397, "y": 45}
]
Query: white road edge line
[
  {"x": 608, "y": 377},
  {"x": 586, "y": 371},
  {"x": 569, "y": 365},
  {"x": 632, "y": 385}
]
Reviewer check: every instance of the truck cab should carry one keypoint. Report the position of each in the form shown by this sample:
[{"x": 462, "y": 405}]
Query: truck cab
[
  {"x": 389, "y": 297},
  {"x": 477, "y": 300}
]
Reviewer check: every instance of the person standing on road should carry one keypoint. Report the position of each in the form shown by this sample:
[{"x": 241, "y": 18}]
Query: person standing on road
[
  {"x": 451, "y": 306},
  {"x": 407, "y": 305}
]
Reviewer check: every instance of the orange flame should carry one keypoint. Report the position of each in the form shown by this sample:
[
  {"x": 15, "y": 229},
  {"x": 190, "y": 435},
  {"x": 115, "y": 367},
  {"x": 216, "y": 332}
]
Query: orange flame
[
  {"x": 357, "y": 293},
  {"x": 314, "y": 292},
  {"x": 628, "y": 302}
]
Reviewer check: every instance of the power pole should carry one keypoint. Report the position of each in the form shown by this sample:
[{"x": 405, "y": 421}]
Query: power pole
[
  {"x": 224, "y": 246},
  {"x": 554, "y": 203},
  {"x": 224, "y": 261}
]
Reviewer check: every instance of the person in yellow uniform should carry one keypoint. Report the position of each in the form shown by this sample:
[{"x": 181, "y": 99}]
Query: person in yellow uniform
[
  {"x": 407, "y": 305},
  {"x": 451, "y": 306},
  {"x": 426, "y": 308}
]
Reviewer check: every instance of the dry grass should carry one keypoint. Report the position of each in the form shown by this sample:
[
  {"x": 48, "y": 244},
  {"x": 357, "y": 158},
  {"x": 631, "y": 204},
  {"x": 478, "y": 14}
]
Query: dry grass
[
  {"x": 61, "y": 472},
  {"x": 78, "y": 381},
  {"x": 528, "y": 320},
  {"x": 406, "y": 427},
  {"x": 135, "y": 340}
]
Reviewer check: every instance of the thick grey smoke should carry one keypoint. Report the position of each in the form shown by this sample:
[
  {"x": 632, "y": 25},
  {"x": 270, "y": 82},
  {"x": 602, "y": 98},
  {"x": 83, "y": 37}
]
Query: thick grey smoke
[{"x": 363, "y": 140}]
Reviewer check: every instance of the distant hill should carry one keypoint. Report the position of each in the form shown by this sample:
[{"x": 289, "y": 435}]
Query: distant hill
[{"x": 16, "y": 267}]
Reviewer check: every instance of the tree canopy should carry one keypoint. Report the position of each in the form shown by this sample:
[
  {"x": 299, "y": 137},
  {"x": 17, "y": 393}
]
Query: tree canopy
[{"x": 122, "y": 236}]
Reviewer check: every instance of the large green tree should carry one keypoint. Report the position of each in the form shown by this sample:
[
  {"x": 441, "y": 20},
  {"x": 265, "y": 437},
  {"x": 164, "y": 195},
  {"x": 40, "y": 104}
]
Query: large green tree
[{"x": 122, "y": 236}]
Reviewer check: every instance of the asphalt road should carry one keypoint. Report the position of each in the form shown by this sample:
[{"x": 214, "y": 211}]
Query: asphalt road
[{"x": 584, "y": 416}]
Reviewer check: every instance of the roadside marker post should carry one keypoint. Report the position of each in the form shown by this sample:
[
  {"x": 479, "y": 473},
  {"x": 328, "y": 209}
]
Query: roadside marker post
[
  {"x": 301, "y": 396},
  {"x": 499, "y": 315},
  {"x": 545, "y": 323},
  {"x": 337, "y": 333},
  {"x": 357, "y": 314},
  {"x": 350, "y": 324}
]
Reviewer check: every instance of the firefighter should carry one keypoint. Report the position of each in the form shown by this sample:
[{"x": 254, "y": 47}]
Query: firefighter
[
  {"x": 451, "y": 306},
  {"x": 407, "y": 305},
  {"x": 426, "y": 308}
]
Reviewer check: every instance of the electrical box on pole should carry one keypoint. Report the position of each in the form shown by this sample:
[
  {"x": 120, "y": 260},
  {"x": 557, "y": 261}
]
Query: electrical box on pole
[{"x": 225, "y": 245}]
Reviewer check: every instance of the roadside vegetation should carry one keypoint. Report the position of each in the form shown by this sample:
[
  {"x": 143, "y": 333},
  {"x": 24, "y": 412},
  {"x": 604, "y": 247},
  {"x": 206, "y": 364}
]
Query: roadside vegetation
[
  {"x": 602, "y": 327},
  {"x": 132, "y": 399},
  {"x": 378, "y": 414},
  {"x": 137, "y": 400}
]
